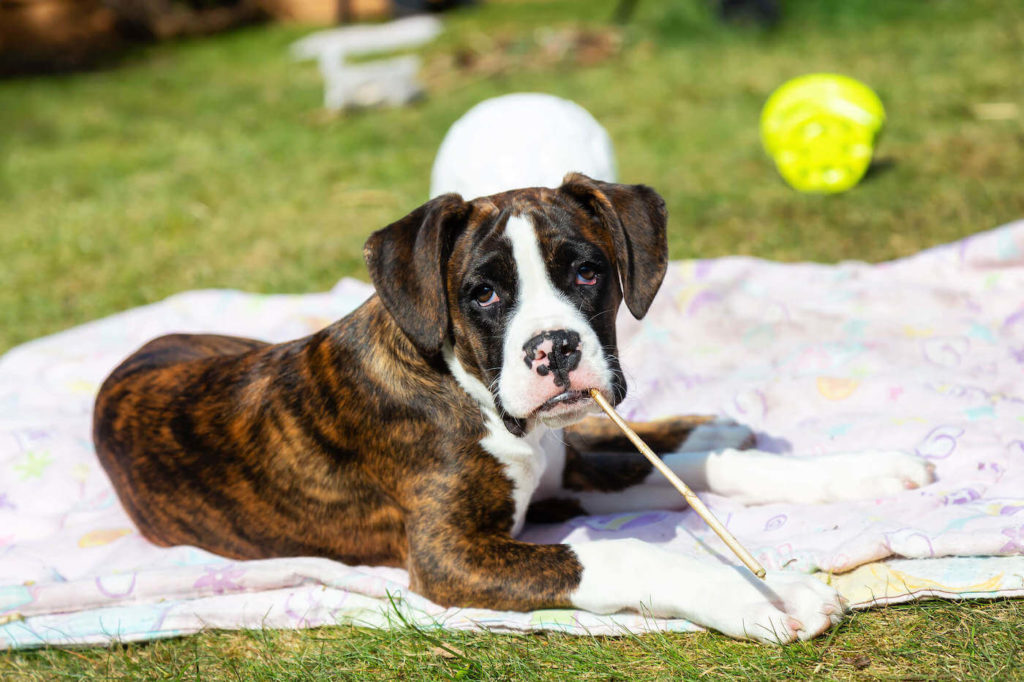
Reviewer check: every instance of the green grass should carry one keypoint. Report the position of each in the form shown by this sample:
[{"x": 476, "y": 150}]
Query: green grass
[
  {"x": 935, "y": 640},
  {"x": 208, "y": 163}
]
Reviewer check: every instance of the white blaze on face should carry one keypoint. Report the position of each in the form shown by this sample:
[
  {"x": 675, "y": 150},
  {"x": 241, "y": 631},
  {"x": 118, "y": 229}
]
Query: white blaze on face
[{"x": 540, "y": 307}]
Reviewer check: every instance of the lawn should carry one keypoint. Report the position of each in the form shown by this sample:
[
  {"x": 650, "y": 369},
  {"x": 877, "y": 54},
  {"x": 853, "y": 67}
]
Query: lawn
[
  {"x": 209, "y": 163},
  {"x": 912, "y": 642}
]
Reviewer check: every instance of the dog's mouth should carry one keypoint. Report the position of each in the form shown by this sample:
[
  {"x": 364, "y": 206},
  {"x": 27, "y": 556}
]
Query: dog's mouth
[
  {"x": 565, "y": 408},
  {"x": 564, "y": 399}
]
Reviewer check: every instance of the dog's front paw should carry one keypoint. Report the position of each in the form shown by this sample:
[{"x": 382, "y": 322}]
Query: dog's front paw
[
  {"x": 867, "y": 475},
  {"x": 782, "y": 608}
]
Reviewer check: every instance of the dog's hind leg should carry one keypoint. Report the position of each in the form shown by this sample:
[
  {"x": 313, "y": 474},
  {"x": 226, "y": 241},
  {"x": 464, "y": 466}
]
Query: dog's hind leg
[
  {"x": 687, "y": 433},
  {"x": 602, "y": 472}
]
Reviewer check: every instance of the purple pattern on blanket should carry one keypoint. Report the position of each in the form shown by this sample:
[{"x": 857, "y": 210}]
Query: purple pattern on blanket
[{"x": 924, "y": 355}]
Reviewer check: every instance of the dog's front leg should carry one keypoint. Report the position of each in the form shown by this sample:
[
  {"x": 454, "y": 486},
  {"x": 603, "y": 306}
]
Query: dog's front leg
[
  {"x": 489, "y": 571},
  {"x": 755, "y": 477},
  {"x": 631, "y": 574},
  {"x": 750, "y": 477},
  {"x": 718, "y": 456},
  {"x": 715, "y": 457}
]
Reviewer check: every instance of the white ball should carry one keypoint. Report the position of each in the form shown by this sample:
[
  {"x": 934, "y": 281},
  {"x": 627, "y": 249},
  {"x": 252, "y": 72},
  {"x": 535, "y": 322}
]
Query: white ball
[{"x": 520, "y": 140}]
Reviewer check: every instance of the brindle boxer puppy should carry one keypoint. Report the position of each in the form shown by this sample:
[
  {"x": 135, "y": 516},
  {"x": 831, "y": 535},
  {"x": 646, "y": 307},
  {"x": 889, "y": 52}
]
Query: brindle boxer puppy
[{"x": 414, "y": 432}]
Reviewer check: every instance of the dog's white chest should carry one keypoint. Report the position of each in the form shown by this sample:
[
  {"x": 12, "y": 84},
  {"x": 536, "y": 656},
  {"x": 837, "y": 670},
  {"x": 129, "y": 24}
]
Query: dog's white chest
[
  {"x": 523, "y": 461},
  {"x": 534, "y": 464},
  {"x": 531, "y": 462}
]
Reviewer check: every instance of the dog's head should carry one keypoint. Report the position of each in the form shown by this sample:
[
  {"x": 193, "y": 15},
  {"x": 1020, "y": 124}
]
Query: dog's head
[{"x": 520, "y": 290}]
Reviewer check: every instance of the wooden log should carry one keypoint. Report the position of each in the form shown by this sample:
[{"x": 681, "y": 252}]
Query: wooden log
[
  {"x": 326, "y": 12},
  {"x": 53, "y": 34}
]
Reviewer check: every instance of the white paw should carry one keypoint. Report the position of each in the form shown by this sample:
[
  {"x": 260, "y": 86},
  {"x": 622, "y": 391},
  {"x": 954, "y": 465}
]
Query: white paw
[
  {"x": 720, "y": 434},
  {"x": 867, "y": 475},
  {"x": 630, "y": 574},
  {"x": 782, "y": 608}
]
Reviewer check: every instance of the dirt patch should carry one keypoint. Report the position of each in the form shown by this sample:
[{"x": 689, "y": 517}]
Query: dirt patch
[{"x": 485, "y": 55}]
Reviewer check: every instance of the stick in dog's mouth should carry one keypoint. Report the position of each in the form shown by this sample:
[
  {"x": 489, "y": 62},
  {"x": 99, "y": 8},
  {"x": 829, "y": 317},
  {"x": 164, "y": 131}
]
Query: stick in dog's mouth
[
  {"x": 695, "y": 503},
  {"x": 564, "y": 398}
]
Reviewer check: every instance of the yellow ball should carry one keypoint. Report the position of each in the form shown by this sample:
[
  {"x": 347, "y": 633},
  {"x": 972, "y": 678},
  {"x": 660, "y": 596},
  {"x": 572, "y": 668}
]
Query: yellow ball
[{"x": 821, "y": 129}]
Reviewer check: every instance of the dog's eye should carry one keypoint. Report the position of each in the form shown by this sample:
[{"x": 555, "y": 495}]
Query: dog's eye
[
  {"x": 586, "y": 274},
  {"x": 485, "y": 295}
]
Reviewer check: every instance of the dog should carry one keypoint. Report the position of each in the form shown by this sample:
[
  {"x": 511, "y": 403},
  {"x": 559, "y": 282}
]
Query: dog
[{"x": 426, "y": 427}]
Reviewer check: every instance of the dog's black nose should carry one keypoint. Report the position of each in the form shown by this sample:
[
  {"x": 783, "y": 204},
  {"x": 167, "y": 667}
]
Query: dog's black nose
[
  {"x": 563, "y": 358},
  {"x": 567, "y": 343}
]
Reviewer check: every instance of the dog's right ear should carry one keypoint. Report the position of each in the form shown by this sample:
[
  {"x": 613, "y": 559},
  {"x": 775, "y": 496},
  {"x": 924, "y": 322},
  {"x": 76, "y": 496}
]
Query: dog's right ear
[{"x": 407, "y": 260}]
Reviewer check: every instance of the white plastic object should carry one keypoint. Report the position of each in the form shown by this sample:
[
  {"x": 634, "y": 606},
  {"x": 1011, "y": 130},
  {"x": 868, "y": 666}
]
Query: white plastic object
[
  {"x": 520, "y": 140},
  {"x": 389, "y": 82}
]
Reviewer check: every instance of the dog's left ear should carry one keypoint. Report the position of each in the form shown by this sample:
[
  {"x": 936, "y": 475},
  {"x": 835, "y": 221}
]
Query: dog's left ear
[
  {"x": 636, "y": 217},
  {"x": 407, "y": 260}
]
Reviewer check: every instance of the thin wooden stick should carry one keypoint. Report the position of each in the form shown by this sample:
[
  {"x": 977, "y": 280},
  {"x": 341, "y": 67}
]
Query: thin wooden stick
[{"x": 748, "y": 560}]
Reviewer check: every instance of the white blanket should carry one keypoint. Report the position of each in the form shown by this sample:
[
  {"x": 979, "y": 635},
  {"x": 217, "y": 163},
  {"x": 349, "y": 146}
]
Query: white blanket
[{"x": 925, "y": 354}]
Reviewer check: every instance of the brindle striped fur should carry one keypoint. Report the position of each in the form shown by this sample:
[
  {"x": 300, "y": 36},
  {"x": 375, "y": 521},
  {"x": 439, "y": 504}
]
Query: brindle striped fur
[{"x": 354, "y": 443}]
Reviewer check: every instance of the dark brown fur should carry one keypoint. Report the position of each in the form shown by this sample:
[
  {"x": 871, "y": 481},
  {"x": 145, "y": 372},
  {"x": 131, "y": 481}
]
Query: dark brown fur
[{"x": 356, "y": 443}]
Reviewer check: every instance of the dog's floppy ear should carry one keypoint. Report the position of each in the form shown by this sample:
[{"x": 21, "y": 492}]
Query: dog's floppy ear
[
  {"x": 406, "y": 262},
  {"x": 635, "y": 216}
]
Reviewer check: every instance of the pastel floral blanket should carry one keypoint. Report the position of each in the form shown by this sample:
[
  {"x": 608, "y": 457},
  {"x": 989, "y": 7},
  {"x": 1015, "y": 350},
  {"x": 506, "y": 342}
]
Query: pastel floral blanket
[{"x": 924, "y": 354}]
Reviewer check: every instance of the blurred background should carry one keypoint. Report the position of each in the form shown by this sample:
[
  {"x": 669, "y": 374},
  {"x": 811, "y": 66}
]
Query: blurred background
[{"x": 153, "y": 146}]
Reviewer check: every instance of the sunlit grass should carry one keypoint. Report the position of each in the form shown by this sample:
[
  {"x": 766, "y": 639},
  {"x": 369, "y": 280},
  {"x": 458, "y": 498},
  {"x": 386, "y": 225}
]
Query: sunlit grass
[
  {"x": 927, "y": 641},
  {"x": 208, "y": 163}
]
